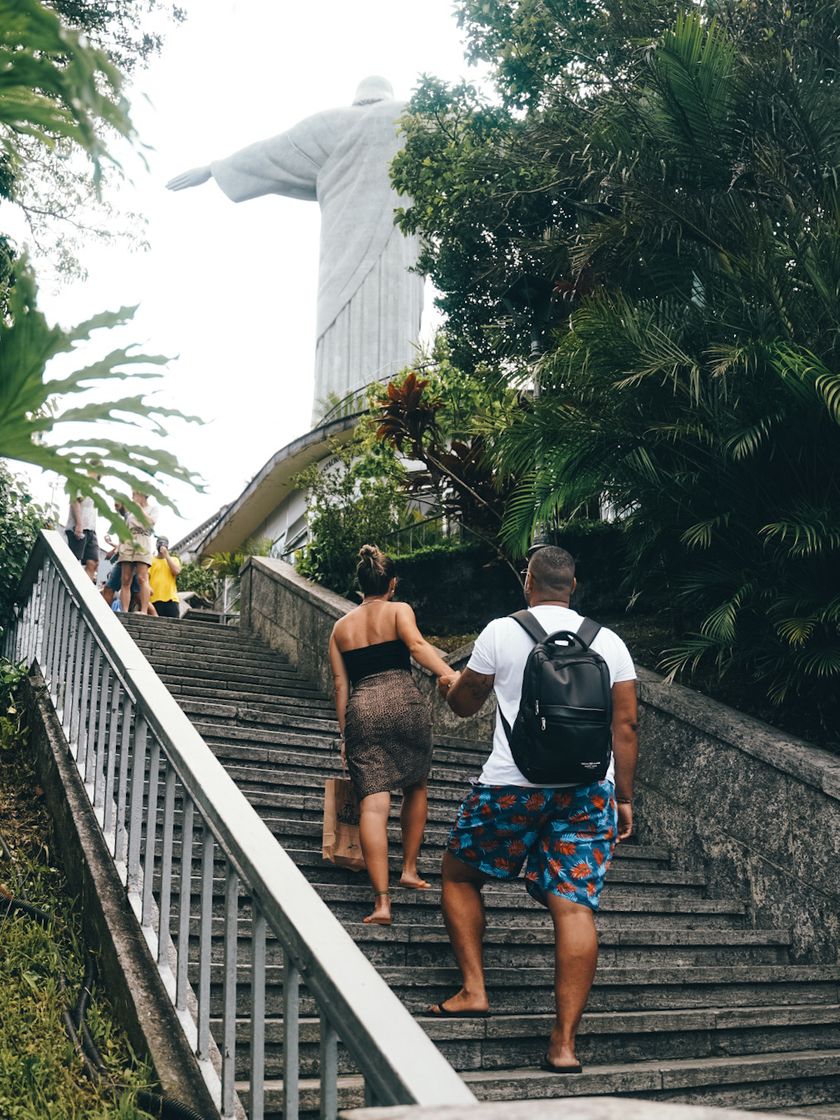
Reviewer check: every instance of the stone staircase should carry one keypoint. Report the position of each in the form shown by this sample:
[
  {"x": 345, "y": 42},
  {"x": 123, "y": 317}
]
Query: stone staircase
[{"x": 690, "y": 1003}]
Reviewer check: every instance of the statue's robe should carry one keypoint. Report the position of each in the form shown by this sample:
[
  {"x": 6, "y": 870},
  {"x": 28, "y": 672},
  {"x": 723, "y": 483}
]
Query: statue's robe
[{"x": 369, "y": 303}]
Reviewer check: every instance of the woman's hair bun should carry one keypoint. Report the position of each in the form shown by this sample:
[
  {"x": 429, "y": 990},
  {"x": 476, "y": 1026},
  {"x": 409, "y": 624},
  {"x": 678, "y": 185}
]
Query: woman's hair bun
[{"x": 374, "y": 570}]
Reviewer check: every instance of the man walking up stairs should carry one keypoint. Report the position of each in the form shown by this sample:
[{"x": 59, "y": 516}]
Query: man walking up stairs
[{"x": 690, "y": 1002}]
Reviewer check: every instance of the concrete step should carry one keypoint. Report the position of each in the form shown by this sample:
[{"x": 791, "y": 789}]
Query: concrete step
[
  {"x": 186, "y": 631},
  {"x": 504, "y": 1041},
  {"x": 621, "y": 907},
  {"x": 533, "y": 947},
  {"x": 268, "y": 714},
  {"x": 212, "y": 661},
  {"x": 199, "y": 614},
  {"x": 269, "y": 678},
  {"x": 192, "y": 691},
  {"x": 312, "y": 863},
  {"x": 208, "y": 652},
  {"x": 752, "y": 1081},
  {"x": 196, "y": 683},
  {"x": 618, "y": 909},
  {"x": 626, "y": 862},
  {"x": 615, "y": 988},
  {"x": 307, "y": 835},
  {"x": 276, "y": 745},
  {"x": 621, "y": 881},
  {"x": 271, "y": 802}
]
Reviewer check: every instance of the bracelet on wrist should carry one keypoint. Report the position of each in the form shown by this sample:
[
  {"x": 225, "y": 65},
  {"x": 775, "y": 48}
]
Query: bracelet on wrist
[{"x": 624, "y": 800}]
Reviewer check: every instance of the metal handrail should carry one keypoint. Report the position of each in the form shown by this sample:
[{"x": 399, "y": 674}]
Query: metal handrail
[
  {"x": 354, "y": 403},
  {"x": 129, "y": 738}
]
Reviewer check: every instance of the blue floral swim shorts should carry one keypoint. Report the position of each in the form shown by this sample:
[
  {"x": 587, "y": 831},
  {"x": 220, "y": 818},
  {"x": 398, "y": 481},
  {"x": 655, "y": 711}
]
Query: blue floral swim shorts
[{"x": 567, "y": 837}]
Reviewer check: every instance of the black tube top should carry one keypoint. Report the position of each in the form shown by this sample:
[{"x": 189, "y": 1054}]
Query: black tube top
[{"x": 381, "y": 657}]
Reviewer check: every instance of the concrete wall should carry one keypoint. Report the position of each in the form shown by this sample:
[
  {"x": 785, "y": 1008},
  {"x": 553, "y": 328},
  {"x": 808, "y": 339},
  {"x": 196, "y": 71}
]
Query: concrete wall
[
  {"x": 758, "y": 810},
  {"x": 290, "y": 614}
]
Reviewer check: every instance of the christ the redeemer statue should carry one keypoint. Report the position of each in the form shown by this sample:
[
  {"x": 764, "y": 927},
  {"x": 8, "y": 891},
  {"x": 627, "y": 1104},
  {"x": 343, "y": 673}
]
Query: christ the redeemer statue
[{"x": 369, "y": 303}]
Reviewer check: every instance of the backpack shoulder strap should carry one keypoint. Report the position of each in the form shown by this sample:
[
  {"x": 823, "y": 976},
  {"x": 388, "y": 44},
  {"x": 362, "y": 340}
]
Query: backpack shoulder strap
[
  {"x": 588, "y": 631},
  {"x": 529, "y": 624}
]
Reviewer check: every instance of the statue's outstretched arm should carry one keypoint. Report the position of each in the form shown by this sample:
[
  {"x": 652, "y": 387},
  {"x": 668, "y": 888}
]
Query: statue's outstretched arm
[{"x": 192, "y": 178}]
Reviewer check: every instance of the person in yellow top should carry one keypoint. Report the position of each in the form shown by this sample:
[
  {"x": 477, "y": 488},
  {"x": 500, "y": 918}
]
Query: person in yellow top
[{"x": 162, "y": 576}]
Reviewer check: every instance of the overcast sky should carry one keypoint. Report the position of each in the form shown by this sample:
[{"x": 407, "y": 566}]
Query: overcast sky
[{"x": 231, "y": 288}]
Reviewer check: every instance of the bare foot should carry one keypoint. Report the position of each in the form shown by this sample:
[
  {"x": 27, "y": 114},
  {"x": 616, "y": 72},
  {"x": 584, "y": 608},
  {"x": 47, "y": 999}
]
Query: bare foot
[
  {"x": 381, "y": 913},
  {"x": 413, "y": 881}
]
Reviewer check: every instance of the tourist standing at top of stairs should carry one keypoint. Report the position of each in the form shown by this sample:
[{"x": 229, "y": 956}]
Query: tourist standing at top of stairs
[
  {"x": 163, "y": 575},
  {"x": 563, "y": 834},
  {"x": 80, "y": 531},
  {"x": 135, "y": 555},
  {"x": 385, "y": 726}
]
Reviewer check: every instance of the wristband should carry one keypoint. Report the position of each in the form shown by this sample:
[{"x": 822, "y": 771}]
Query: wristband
[{"x": 624, "y": 800}]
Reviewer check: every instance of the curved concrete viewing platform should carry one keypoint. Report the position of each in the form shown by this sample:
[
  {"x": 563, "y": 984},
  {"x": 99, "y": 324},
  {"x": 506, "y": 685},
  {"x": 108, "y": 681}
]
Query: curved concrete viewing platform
[{"x": 268, "y": 490}]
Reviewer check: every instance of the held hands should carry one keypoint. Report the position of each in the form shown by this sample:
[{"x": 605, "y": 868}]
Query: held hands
[
  {"x": 445, "y": 683},
  {"x": 192, "y": 178}
]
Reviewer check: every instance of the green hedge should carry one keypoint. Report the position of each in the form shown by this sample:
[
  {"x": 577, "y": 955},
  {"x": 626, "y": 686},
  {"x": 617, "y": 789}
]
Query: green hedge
[{"x": 457, "y": 590}]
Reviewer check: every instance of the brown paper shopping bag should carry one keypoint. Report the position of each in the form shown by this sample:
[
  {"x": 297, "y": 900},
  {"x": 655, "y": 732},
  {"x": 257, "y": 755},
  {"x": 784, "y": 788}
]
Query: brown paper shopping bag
[{"x": 341, "y": 844}]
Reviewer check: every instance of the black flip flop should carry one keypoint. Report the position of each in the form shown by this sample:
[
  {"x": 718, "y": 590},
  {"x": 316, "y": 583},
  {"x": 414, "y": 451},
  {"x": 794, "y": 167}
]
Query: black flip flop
[
  {"x": 550, "y": 1067},
  {"x": 444, "y": 1013}
]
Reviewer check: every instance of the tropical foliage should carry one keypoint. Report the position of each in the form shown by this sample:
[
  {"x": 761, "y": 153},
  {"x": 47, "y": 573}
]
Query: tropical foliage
[
  {"x": 196, "y": 576},
  {"x": 120, "y": 28},
  {"x": 679, "y": 185},
  {"x": 51, "y": 187},
  {"x": 354, "y": 499},
  {"x": 57, "y": 89},
  {"x": 229, "y": 564},
  {"x": 434, "y": 416},
  {"x": 20, "y": 521}
]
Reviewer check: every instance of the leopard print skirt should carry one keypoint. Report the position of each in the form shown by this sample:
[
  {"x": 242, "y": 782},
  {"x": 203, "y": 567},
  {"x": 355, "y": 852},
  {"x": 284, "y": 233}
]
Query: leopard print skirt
[{"x": 388, "y": 733}]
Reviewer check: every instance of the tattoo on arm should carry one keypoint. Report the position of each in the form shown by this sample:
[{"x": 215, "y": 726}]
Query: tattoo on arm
[{"x": 470, "y": 692}]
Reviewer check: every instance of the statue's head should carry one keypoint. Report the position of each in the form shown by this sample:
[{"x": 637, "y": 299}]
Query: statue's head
[{"x": 373, "y": 89}]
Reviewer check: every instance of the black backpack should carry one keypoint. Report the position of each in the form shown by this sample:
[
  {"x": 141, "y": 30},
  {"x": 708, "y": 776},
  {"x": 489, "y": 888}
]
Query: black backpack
[{"x": 562, "y": 733}]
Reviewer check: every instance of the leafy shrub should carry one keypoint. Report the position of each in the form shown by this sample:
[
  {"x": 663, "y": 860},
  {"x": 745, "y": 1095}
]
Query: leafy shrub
[
  {"x": 20, "y": 521},
  {"x": 11, "y": 715},
  {"x": 230, "y": 563},
  {"x": 198, "y": 577},
  {"x": 350, "y": 504},
  {"x": 457, "y": 590}
]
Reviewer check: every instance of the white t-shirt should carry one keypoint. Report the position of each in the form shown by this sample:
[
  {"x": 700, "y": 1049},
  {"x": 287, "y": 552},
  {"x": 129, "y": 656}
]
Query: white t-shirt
[
  {"x": 140, "y": 527},
  {"x": 88, "y": 515},
  {"x": 501, "y": 650}
]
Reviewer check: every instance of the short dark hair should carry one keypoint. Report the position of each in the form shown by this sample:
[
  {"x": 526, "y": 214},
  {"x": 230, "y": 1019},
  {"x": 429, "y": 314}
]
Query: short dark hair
[
  {"x": 374, "y": 571},
  {"x": 552, "y": 569}
]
